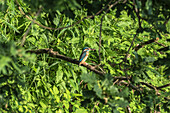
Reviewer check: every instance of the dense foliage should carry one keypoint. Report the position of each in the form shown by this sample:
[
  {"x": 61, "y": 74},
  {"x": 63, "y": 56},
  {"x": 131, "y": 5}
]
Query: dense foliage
[{"x": 132, "y": 42}]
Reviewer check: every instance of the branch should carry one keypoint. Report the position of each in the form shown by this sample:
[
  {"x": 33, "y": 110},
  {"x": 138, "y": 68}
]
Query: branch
[
  {"x": 167, "y": 20},
  {"x": 164, "y": 49},
  {"x": 57, "y": 55},
  {"x": 128, "y": 109},
  {"x": 157, "y": 88},
  {"x": 145, "y": 43},
  {"x": 160, "y": 44},
  {"x": 148, "y": 85},
  {"x": 96, "y": 104},
  {"x": 154, "y": 87},
  {"x": 125, "y": 59},
  {"x": 160, "y": 87},
  {"x": 129, "y": 85},
  {"x": 120, "y": 78},
  {"x": 101, "y": 31},
  {"x": 100, "y": 40},
  {"x": 137, "y": 13}
]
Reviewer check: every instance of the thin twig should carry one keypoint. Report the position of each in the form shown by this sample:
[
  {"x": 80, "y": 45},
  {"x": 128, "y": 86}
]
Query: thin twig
[
  {"x": 128, "y": 108},
  {"x": 166, "y": 20},
  {"x": 129, "y": 85},
  {"x": 137, "y": 13},
  {"x": 139, "y": 46},
  {"x": 125, "y": 59},
  {"x": 28, "y": 30},
  {"x": 115, "y": 82},
  {"x": 101, "y": 30},
  {"x": 81, "y": 82},
  {"x": 94, "y": 106},
  {"x": 161, "y": 44},
  {"x": 100, "y": 34},
  {"x": 150, "y": 86}
]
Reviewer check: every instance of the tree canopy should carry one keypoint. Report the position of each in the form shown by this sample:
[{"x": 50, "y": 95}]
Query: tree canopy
[{"x": 41, "y": 41}]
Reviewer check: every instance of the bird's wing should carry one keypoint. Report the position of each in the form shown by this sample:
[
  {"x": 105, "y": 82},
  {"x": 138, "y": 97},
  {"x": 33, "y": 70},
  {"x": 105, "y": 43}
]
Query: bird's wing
[{"x": 82, "y": 56}]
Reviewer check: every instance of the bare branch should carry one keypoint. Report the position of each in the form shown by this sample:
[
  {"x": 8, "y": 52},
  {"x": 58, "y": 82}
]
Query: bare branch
[
  {"x": 164, "y": 49},
  {"x": 96, "y": 104},
  {"x": 57, "y": 55},
  {"x": 139, "y": 46},
  {"x": 125, "y": 59},
  {"x": 156, "y": 88},
  {"x": 137, "y": 13},
  {"x": 128, "y": 108},
  {"x": 143, "y": 83},
  {"x": 160, "y": 87},
  {"x": 145, "y": 43},
  {"x": 148, "y": 85},
  {"x": 161, "y": 44},
  {"x": 129, "y": 84}
]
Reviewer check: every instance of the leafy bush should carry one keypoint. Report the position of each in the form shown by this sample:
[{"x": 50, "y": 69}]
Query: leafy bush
[{"x": 128, "y": 72}]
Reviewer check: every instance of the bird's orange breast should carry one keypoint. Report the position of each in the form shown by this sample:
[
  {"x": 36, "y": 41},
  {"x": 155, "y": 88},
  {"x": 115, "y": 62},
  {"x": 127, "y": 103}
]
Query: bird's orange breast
[{"x": 87, "y": 54}]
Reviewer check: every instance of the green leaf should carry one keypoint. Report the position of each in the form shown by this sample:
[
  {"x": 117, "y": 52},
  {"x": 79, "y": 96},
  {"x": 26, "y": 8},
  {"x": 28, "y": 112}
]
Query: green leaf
[
  {"x": 4, "y": 61},
  {"x": 55, "y": 90},
  {"x": 11, "y": 26},
  {"x": 149, "y": 59},
  {"x": 43, "y": 104},
  {"x": 113, "y": 90},
  {"x": 59, "y": 74},
  {"x": 149, "y": 6},
  {"x": 81, "y": 110},
  {"x": 91, "y": 79},
  {"x": 98, "y": 90},
  {"x": 66, "y": 104}
]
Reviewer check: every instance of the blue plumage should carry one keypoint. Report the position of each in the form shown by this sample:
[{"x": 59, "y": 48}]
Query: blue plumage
[{"x": 84, "y": 55}]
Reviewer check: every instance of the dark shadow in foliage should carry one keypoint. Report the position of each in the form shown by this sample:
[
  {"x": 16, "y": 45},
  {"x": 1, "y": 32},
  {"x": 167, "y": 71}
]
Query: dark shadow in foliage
[
  {"x": 67, "y": 7},
  {"x": 3, "y": 5},
  {"x": 93, "y": 6},
  {"x": 88, "y": 94},
  {"x": 165, "y": 106},
  {"x": 164, "y": 61},
  {"x": 9, "y": 75}
]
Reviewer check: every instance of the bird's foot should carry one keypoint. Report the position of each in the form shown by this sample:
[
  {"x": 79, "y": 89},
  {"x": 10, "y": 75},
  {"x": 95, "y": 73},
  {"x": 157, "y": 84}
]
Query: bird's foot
[{"x": 85, "y": 63}]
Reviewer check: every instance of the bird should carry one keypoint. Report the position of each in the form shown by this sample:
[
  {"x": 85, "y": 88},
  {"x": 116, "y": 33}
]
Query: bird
[{"x": 84, "y": 55}]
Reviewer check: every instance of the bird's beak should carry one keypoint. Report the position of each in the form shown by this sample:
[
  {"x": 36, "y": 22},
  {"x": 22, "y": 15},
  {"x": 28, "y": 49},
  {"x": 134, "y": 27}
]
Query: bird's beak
[{"x": 92, "y": 49}]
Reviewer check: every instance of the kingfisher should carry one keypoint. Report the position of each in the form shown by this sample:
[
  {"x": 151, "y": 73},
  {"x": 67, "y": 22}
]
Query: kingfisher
[{"x": 84, "y": 55}]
